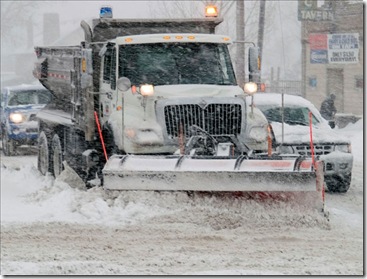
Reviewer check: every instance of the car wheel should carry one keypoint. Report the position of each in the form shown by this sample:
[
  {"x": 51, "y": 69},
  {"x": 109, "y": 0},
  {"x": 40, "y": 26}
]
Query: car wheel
[
  {"x": 57, "y": 159},
  {"x": 339, "y": 184},
  {"x": 43, "y": 162},
  {"x": 8, "y": 145}
]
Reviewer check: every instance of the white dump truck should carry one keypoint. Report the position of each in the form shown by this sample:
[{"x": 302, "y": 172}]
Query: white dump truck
[{"x": 154, "y": 105}]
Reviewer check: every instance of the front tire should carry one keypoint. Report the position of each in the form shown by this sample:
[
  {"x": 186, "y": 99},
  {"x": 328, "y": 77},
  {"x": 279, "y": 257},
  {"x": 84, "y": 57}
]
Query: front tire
[
  {"x": 8, "y": 145},
  {"x": 43, "y": 161},
  {"x": 339, "y": 184},
  {"x": 57, "y": 156}
]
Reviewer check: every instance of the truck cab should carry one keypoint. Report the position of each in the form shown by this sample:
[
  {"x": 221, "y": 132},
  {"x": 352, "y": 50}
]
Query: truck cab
[{"x": 153, "y": 88}]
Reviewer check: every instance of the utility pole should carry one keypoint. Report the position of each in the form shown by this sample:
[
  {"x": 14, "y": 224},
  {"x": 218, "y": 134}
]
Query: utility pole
[
  {"x": 260, "y": 36},
  {"x": 240, "y": 47}
]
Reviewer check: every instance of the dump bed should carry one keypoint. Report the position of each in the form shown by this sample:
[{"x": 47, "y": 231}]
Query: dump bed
[{"x": 67, "y": 73}]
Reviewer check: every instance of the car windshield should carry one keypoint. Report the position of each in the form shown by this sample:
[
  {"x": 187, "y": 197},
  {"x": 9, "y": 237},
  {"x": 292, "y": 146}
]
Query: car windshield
[
  {"x": 29, "y": 97},
  {"x": 176, "y": 63},
  {"x": 292, "y": 115}
]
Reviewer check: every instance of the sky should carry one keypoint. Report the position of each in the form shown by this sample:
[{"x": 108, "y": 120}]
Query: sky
[{"x": 281, "y": 40}]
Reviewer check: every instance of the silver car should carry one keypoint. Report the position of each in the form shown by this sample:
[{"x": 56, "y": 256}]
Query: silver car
[{"x": 294, "y": 136}]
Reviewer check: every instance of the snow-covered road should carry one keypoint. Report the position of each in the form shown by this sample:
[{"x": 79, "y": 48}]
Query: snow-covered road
[{"x": 50, "y": 228}]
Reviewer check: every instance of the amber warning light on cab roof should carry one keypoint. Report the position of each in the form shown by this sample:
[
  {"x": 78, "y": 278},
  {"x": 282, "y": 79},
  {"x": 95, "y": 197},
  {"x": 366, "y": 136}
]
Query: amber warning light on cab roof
[{"x": 211, "y": 11}]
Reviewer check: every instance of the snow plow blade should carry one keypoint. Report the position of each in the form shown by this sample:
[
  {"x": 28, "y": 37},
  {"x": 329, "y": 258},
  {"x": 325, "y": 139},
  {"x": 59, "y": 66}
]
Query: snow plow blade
[{"x": 185, "y": 173}]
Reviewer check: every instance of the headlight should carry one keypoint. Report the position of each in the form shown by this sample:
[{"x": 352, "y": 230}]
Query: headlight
[
  {"x": 259, "y": 133},
  {"x": 347, "y": 148},
  {"x": 250, "y": 87},
  {"x": 16, "y": 117},
  {"x": 147, "y": 90}
]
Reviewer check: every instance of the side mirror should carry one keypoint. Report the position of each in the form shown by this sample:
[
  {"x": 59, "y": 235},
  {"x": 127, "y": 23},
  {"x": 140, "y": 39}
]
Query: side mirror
[
  {"x": 332, "y": 124},
  {"x": 123, "y": 84}
]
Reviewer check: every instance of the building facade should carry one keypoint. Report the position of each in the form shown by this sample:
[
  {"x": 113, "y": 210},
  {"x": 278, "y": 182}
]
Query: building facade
[{"x": 333, "y": 53}]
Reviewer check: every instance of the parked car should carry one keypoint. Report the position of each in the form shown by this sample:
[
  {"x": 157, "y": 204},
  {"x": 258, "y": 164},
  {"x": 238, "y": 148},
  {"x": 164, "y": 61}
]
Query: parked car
[
  {"x": 294, "y": 136},
  {"x": 19, "y": 106}
]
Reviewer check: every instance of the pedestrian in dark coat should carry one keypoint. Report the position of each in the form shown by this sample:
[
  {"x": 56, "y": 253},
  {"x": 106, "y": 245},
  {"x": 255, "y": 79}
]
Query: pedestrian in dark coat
[{"x": 328, "y": 108}]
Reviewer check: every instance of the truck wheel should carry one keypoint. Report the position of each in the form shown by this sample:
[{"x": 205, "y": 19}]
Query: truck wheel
[
  {"x": 338, "y": 184},
  {"x": 8, "y": 145},
  {"x": 111, "y": 147},
  {"x": 57, "y": 159},
  {"x": 43, "y": 161}
]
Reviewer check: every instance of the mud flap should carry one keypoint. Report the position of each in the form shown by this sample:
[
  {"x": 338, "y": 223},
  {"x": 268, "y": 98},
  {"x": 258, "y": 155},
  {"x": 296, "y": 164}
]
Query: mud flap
[{"x": 69, "y": 176}]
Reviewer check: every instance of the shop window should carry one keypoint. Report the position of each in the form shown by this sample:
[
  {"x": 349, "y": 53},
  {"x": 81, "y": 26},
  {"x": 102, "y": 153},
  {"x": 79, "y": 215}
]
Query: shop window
[{"x": 312, "y": 82}]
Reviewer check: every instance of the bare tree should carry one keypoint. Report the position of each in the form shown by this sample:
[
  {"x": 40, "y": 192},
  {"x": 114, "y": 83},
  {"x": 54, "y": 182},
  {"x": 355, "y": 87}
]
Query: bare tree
[{"x": 16, "y": 16}]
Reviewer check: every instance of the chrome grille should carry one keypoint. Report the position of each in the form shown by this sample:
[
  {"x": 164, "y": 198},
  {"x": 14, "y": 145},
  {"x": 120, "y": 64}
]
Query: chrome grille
[
  {"x": 318, "y": 150},
  {"x": 216, "y": 119}
]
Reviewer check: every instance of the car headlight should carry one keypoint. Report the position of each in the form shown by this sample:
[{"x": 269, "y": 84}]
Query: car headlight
[
  {"x": 259, "y": 133},
  {"x": 16, "y": 117},
  {"x": 347, "y": 148}
]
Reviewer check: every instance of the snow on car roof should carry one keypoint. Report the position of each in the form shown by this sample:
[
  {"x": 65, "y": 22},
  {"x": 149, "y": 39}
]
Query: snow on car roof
[
  {"x": 25, "y": 86},
  {"x": 276, "y": 100}
]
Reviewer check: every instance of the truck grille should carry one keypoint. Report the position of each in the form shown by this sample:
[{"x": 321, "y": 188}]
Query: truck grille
[
  {"x": 318, "y": 150},
  {"x": 216, "y": 119}
]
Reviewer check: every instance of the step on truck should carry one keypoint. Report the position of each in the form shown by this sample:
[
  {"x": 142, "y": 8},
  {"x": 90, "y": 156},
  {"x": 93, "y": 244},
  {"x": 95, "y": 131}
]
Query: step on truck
[{"x": 154, "y": 105}]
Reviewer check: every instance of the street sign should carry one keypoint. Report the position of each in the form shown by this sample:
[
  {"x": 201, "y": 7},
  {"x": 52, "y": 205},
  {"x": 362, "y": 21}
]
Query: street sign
[
  {"x": 308, "y": 10},
  {"x": 334, "y": 48}
]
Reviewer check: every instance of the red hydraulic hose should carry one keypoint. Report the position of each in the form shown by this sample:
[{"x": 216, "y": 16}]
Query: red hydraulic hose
[
  {"x": 311, "y": 140},
  {"x": 100, "y": 135}
]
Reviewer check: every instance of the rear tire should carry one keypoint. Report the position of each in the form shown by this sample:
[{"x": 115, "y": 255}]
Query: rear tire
[
  {"x": 57, "y": 156},
  {"x": 43, "y": 161},
  {"x": 338, "y": 184},
  {"x": 8, "y": 145}
]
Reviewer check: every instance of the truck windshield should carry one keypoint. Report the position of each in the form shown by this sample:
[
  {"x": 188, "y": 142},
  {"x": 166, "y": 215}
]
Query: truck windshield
[{"x": 178, "y": 63}]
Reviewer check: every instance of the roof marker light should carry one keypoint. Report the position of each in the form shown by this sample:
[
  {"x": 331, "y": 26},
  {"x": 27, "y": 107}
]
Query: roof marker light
[
  {"x": 211, "y": 11},
  {"x": 179, "y": 37},
  {"x": 128, "y": 40},
  {"x": 105, "y": 12},
  {"x": 191, "y": 37},
  {"x": 167, "y": 37}
]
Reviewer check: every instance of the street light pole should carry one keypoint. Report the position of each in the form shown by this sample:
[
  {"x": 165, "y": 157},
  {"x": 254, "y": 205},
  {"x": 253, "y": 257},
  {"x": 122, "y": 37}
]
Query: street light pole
[
  {"x": 240, "y": 36},
  {"x": 260, "y": 37}
]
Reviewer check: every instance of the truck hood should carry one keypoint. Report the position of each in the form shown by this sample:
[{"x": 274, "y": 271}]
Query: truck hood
[
  {"x": 197, "y": 90},
  {"x": 297, "y": 134}
]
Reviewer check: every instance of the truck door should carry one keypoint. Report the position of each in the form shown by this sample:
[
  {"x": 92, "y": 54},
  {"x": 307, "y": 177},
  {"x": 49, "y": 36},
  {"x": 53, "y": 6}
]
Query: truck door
[{"x": 108, "y": 98}]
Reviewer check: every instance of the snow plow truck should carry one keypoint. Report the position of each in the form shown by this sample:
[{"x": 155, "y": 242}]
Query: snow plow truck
[{"x": 154, "y": 105}]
